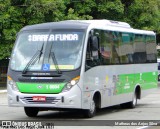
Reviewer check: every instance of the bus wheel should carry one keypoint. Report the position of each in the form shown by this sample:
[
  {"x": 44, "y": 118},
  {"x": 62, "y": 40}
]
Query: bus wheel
[
  {"x": 89, "y": 113},
  {"x": 133, "y": 103},
  {"x": 31, "y": 111}
]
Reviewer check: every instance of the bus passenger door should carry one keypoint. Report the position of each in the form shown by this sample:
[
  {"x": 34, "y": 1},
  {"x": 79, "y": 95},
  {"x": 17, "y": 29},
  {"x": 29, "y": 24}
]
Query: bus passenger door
[{"x": 92, "y": 74}]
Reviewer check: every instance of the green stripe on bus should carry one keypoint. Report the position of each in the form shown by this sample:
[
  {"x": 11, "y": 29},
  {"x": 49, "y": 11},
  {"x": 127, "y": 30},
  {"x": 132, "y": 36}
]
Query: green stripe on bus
[
  {"x": 127, "y": 82},
  {"x": 40, "y": 87}
]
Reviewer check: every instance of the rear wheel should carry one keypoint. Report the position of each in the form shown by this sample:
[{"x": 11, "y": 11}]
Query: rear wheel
[
  {"x": 131, "y": 104},
  {"x": 31, "y": 111}
]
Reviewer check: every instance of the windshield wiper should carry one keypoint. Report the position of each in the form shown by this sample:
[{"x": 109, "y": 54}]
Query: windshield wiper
[
  {"x": 33, "y": 60},
  {"x": 52, "y": 54},
  {"x": 55, "y": 61}
]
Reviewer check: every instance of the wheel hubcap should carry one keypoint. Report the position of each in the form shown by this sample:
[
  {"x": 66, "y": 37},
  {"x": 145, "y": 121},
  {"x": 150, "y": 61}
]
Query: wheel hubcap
[
  {"x": 92, "y": 109},
  {"x": 134, "y": 100}
]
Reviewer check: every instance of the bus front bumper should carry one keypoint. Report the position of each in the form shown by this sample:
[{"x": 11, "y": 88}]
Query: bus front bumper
[{"x": 68, "y": 99}]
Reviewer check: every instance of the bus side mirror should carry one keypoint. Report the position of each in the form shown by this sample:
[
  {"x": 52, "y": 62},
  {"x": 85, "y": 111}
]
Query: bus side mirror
[
  {"x": 94, "y": 47},
  {"x": 94, "y": 43}
]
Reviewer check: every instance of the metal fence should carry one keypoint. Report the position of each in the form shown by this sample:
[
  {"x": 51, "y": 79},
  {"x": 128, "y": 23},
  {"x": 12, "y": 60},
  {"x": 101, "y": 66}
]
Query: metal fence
[{"x": 3, "y": 72}]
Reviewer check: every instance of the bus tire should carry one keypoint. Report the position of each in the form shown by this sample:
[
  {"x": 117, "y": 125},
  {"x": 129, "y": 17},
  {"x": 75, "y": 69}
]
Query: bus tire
[
  {"x": 133, "y": 103},
  {"x": 89, "y": 113},
  {"x": 31, "y": 111}
]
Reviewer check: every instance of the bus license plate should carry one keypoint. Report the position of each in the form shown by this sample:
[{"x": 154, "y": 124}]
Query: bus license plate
[{"x": 39, "y": 98}]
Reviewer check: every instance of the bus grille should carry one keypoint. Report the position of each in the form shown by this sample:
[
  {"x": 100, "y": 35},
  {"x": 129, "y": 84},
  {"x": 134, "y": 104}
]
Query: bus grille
[
  {"x": 41, "y": 80},
  {"x": 49, "y": 100}
]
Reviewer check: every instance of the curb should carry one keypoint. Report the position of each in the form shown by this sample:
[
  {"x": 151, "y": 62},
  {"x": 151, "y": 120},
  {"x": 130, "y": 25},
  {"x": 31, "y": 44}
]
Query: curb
[{"x": 3, "y": 91}]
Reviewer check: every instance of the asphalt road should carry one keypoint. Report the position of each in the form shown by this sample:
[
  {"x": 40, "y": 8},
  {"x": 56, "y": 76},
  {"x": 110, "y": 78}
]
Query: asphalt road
[{"x": 148, "y": 108}]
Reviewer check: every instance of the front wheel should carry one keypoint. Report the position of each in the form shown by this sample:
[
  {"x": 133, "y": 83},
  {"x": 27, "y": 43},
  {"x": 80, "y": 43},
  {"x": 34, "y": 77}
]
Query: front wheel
[
  {"x": 31, "y": 111},
  {"x": 89, "y": 113}
]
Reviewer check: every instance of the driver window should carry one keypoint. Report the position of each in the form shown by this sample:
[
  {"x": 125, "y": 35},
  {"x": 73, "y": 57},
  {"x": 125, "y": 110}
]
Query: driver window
[{"x": 92, "y": 55}]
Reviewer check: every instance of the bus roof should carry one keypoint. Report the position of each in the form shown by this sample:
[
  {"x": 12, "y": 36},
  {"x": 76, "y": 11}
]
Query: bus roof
[
  {"x": 57, "y": 25},
  {"x": 92, "y": 24}
]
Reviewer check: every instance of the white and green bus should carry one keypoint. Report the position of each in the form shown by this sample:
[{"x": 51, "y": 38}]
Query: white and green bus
[{"x": 81, "y": 64}]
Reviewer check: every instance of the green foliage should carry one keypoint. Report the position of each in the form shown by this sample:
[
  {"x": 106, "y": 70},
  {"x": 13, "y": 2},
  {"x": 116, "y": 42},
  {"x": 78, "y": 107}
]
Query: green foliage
[
  {"x": 15, "y": 14},
  {"x": 143, "y": 14},
  {"x": 111, "y": 9},
  {"x": 5, "y": 50}
]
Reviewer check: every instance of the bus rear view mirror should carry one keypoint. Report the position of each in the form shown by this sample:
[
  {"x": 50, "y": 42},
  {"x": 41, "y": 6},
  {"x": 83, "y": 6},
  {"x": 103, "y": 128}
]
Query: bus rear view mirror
[{"x": 94, "y": 43}]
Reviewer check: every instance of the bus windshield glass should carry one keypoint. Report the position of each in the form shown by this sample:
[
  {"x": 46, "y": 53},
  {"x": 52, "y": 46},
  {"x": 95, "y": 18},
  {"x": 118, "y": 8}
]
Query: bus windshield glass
[{"x": 65, "y": 44}]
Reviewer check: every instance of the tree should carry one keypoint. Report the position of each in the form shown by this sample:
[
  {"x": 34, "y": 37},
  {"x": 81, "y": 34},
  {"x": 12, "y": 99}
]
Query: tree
[
  {"x": 143, "y": 14},
  {"x": 110, "y": 9},
  {"x": 98, "y": 9},
  {"x": 7, "y": 29},
  {"x": 127, "y": 4}
]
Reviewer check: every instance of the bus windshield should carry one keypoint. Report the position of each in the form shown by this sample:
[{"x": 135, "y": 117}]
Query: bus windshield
[{"x": 65, "y": 44}]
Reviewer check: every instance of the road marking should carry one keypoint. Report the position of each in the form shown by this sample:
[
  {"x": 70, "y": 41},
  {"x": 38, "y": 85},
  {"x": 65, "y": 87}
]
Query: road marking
[
  {"x": 155, "y": 102},
  {"x": 3, "y": 91},
  {"x": 144, "y": 127},
  {"x": 3, "y": 104}
]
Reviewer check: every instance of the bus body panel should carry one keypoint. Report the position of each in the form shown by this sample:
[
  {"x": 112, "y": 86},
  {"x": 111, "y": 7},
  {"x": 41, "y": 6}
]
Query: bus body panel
[{"x": 117, "y": 83}]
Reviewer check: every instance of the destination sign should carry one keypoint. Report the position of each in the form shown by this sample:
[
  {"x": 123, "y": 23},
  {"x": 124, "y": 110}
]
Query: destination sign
[{"x": 53, "y": 37}]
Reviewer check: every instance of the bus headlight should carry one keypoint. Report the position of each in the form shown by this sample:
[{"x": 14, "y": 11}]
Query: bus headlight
[
  {"x": 12, "y": 84},
  {"x": 73, "y": 82}
]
